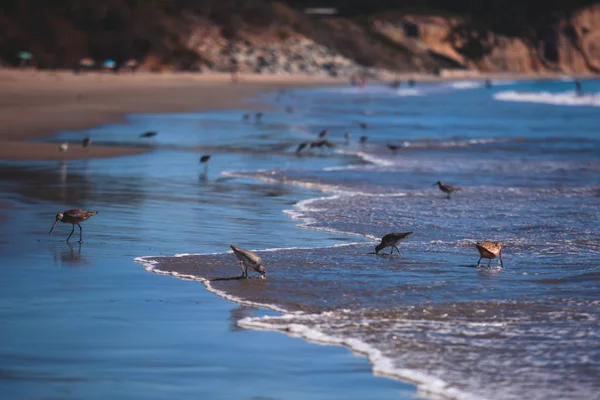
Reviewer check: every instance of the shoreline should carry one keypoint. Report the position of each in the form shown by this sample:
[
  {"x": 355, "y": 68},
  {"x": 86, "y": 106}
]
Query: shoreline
[{"x": 38, "y": 104}]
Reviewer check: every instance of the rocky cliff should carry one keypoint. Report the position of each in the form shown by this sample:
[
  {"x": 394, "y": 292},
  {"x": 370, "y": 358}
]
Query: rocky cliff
[{"x": 261, "y": 36}]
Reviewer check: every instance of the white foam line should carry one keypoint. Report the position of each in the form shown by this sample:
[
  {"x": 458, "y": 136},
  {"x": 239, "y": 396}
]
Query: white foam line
[
  {"x": 560, "y": 99},
  {"x": 382, "y": 366}
]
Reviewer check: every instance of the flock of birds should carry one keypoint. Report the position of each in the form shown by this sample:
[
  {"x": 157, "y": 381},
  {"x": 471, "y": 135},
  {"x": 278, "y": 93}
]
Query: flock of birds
[{"x": 249, "y": 259}]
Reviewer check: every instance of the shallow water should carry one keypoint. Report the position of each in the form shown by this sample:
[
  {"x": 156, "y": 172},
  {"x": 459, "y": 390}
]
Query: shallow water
[
  {"x": 527, "y": 162},
  {"x": 529, "y": 175}
]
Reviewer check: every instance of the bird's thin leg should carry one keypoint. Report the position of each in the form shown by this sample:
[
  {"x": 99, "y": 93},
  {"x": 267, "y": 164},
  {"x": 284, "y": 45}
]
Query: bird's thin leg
[
  {"x": 205, "y": 168},
  {"x": 392, "y": 252},
  {"x": 72, "y": 230},
  {"x": 490, "y": 263},
  {"x": 246, "y": 271},
  {"x": 242, "y": 267},
  {"x": 80, "y": 233},
  {"x": 479, "y": 261},
  {"x": 501, "y": 263},
  {"x": 397, "y": 249}
]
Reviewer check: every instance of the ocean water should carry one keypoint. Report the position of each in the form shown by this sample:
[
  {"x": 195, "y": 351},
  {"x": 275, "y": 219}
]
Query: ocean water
[{"x": 526, "y": 155}]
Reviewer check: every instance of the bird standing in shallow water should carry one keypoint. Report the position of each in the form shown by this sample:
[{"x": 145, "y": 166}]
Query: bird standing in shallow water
[
  {"x": 86, "y": 142},
  {"x": 489, "y": 250},
  {"x": 363, "y": 140},
  {"x": 444, "y": 187},
  {"x": 392, "y": 240},
  {"x": 347, "y": 136},
  {"x": 204, "y": 160},
  {"x": 301, "y": 147},
  {"x": 249, "y": 259},
  {"x": 148, "y": 134},
  {"x": 74, "y": 217}
]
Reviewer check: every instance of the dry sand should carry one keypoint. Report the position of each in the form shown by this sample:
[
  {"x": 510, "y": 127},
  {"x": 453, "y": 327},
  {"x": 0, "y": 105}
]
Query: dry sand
[{"x": 35, "y": 104}]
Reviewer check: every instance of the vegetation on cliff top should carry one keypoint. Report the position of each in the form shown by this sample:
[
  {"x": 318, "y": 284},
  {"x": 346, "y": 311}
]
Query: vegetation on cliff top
[{"x": 60, "y": 32}]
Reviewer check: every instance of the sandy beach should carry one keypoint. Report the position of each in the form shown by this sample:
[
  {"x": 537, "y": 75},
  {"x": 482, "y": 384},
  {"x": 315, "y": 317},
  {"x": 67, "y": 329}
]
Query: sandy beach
[{"x": 38, "y": 103}]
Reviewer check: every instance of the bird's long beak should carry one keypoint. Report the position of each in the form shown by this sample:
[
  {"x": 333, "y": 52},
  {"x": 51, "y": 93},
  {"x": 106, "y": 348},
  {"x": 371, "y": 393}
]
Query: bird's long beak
[{"x": 53, "y": 225}]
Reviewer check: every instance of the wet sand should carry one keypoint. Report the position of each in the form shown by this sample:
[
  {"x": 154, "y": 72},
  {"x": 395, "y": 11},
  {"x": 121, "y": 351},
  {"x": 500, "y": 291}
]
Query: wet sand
[{"x": 39, "y": 103}]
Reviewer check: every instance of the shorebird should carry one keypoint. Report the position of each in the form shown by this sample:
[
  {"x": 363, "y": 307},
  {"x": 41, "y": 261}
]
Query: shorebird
[
  {"x": 363, "y": 125},
  {"x": 258, "y": 116},
  {"x": 204, "y": 160},
  {"x": 73, "y": 217},
  {"x": 63, "y": 146},
  {"x": 246, "y": 117},
  {"x": 323, "y": 133},
  {"x": 301, "y": 147},
  {"x": 363, "y": 139},
  {"x": 578, "y": 88},
  {"x": 148, "y": 134},
  {"x": 249, "y": 259},
  {"x": 449, "y": 189},
  {"x": 86, "y": 142},
  {"x": 322, "y": 143},
  {"x": 347, "y": 136},
  {"x": 394, "y": 147},
  {"x": 392, "y": 240},
  {"x": 489, "y": 250},
  {"x": 411, "y": 82}
]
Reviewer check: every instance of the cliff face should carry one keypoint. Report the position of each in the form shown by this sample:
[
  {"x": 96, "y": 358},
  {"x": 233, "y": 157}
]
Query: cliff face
[
  {"x": 571, "y": 46},
  {"x": 271, "y": 37}
]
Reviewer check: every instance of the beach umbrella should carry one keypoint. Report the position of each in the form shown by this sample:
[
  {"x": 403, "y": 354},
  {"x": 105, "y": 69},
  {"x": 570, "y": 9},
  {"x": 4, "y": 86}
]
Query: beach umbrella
[
  {"x": 110, "y": 64},
  {"x": 87, "y": 62},
  {"x": 25, "y": 55}
]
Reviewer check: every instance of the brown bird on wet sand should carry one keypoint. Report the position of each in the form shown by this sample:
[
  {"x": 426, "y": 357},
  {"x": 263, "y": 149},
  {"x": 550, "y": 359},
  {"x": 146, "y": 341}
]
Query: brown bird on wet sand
[
  {"x": 249, "y": 259},
  {"x": 86, "y": 142},
  {"x": 73, "y": 217},
  {"x": 489, "y": 250},
  {"x": 392, "y": 240},
  {"x": 449, "y": 189}
]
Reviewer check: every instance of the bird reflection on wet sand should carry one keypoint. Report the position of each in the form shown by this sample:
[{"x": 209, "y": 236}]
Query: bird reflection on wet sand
[
  {"x": 68, "y": 257},
  {"x": 237, "y": 314}
]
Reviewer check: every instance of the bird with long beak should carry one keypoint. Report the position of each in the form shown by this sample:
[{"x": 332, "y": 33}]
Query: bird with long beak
[
  {"x": 392, "y": 240},
  {"x": 250, "y": 259},
  {"x": 489, "y": 250},
  {"x": 448, "y": 189},
  {"x": 73, "y": 217}
]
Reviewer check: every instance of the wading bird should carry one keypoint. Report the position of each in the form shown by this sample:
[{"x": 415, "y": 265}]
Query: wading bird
[
  {"x": 489, "y": 250},
  {"x": 347, "y": 136},
  {"x": 301, "y": 147},
  {"x": 148, "y": 134},
  {"x": 323, "y": 133},
  {"x": 394, "y": 147},
  {"x": 246, "y": 117},
  {"x": 249, "y": 259},
  {"x": 73, "y": 217},
  {"x": 63, "y": 147},
  {"x": 448, "y": 189},
  {"x": 362, "y": 139},
  {"x": 258, "y": 116},
  {"x": 204, "y": 160},
  {"x": 392, "y": 240},
  {"x": 86, "y": 142}
]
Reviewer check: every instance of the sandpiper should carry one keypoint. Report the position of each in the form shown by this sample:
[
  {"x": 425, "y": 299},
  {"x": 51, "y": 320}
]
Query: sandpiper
[
  {"x": 449, "y": 189},
  {"x": 362, "y": 124},
  {"x": 347, "y": 136},
  {"x": 246, "y": 117},
  {"x": 323, "y": 133},
  {"x": 249, "y": 259},
  {"x": 86, "y": 142},
  {"x": 392, "y": 240},
  {"x": 394, "y": 147},
  {"x": 363, "y": 139},
  {"x": 148, "y": 134},
  {"x": 73, "y": 217},
  {"x": 204, "y": 160},
  {"x": 301, "y": 147},
  {"x": 489, "y": 250},
  {"x": 258, "y": 116},
  {"x": 63, "y": 147}
]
